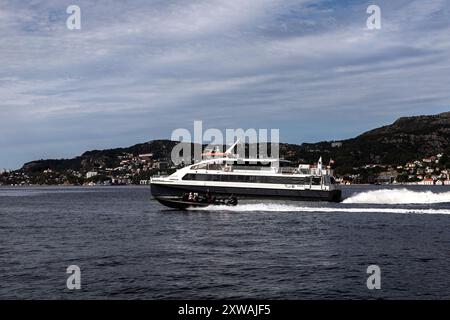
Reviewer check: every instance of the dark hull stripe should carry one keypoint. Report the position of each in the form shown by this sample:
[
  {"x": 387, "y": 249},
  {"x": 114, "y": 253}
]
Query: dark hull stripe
[{"x": 253, "y": 193}]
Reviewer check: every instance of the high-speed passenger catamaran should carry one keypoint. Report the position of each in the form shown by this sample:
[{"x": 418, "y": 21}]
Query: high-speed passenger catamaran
[{"x": 224, "y": 178}]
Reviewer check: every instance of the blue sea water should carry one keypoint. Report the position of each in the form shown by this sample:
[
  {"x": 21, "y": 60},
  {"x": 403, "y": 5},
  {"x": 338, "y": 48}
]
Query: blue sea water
[{"x": 130, "y": 247}]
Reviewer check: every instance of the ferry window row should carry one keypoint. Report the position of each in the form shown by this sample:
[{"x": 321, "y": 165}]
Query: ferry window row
[{"x": 253, "y": 179}]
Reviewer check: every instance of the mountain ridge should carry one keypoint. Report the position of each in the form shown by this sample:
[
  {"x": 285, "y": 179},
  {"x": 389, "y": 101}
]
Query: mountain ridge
[{"x": 406, "y": 139}]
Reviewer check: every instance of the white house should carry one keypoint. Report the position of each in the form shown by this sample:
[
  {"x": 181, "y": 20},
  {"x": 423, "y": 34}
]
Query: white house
[{"x": 91, "y": 174}]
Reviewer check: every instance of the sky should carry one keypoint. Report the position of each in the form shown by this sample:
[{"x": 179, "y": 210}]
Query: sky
[{"x": 138, "y": 70}]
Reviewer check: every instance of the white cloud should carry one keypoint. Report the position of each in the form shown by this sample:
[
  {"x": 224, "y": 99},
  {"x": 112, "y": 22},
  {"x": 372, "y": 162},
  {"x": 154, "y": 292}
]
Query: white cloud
[{"x": 139, "y": 69}]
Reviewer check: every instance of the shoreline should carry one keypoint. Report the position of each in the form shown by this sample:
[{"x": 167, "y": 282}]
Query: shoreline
[{"x": 148, "y": 185}]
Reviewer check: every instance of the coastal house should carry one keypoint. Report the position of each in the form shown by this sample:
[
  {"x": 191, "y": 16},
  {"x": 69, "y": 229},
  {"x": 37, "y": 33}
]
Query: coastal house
[
  {"x": 336, "y": 144},
  {"x": 427, "y": 181},
  {"x": 429, "y": 160},
  {"x": 410, "y": 165},
  {"x": 91, "y": 174},
  {"x": 146, "y": 157}
]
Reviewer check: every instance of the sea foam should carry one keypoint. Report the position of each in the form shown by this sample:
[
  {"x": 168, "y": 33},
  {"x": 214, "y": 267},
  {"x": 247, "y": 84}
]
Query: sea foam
[
  {"x": 398, "y": 196},
  {"x": 274, "y": 207}
]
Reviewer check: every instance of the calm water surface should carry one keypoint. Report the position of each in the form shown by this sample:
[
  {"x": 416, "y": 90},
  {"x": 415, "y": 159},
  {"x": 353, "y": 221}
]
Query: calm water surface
[{"x": 130, "y": 247}]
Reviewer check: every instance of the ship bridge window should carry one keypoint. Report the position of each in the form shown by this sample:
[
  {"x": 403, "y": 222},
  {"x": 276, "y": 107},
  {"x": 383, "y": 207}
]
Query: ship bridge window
[
  {"x": 201, "y": 166},
  {"x": 316, "y": 180},
  {"x": 214, "y": 166},
  {"x": 249, "y": 163}
]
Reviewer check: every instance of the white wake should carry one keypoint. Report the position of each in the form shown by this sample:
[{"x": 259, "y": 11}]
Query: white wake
[
  {"x": 274, "y": 207},
  {"x": 398, "y": 196}
]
